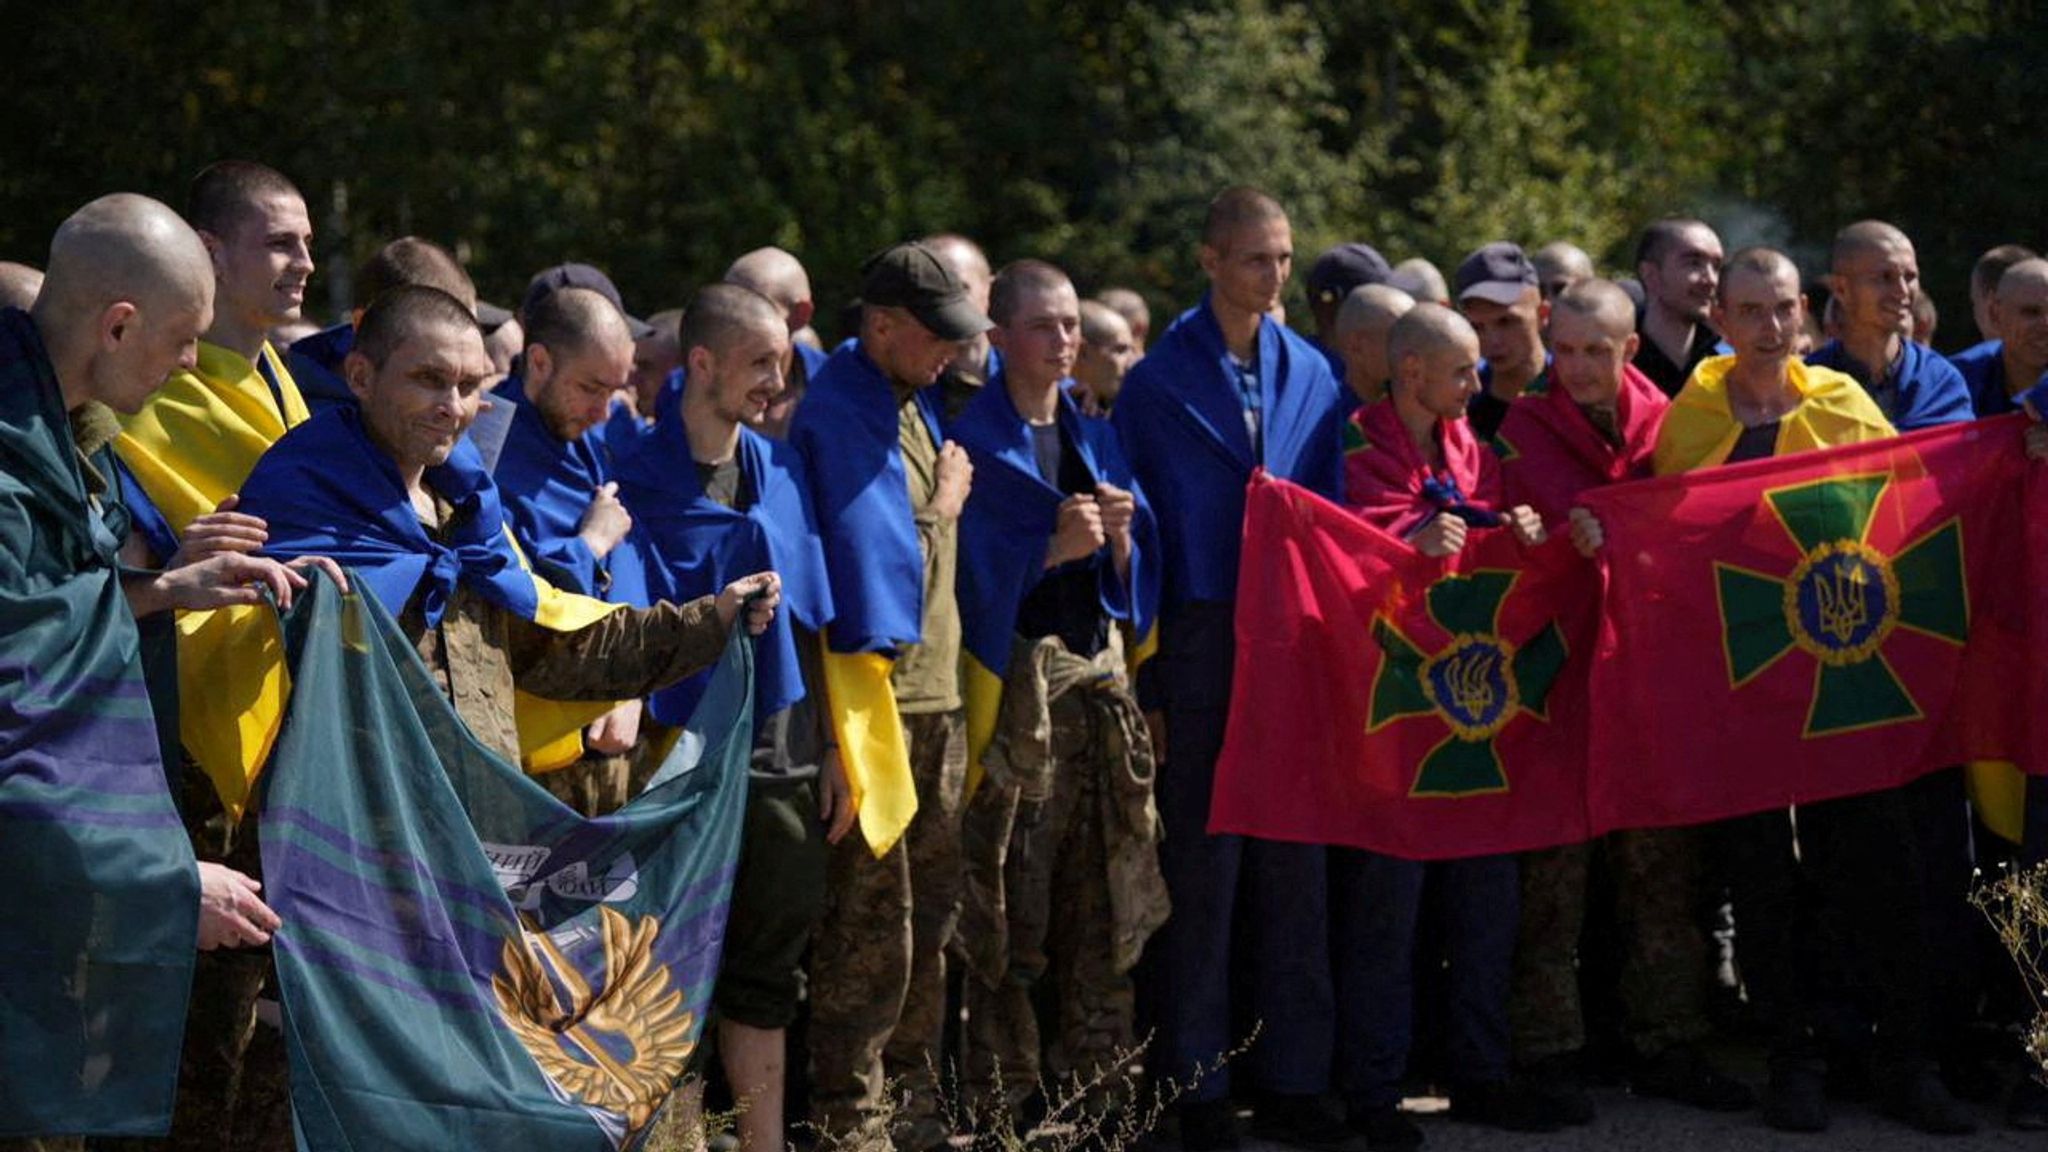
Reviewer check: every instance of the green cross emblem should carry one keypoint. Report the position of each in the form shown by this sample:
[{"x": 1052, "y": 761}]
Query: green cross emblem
[
  {"x": 1842, "y": 601},
  {"x": 1474, "y": 685}
]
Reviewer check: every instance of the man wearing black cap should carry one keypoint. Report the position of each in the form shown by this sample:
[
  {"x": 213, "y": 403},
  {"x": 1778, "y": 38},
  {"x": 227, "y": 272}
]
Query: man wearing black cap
[
  {"x": 888, "y": 490},
  {"x": 1330, "y": 279},
  {"x": 1679, "y": 261},
  {"x": 1500, "y": 293}
]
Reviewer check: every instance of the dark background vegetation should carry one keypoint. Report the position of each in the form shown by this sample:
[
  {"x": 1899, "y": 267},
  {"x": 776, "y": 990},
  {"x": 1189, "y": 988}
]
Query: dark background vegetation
[{"x": 659, "y": 139}]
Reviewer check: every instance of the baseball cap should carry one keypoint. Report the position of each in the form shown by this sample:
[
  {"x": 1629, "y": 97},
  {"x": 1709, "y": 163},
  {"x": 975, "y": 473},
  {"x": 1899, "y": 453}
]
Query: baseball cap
[
  {"x": 547, "y": 280},
  {"x": 913, "y": 277},
  {"x": 1337, "y": 271},
  {"x": 1497, "y": 273},
  {"x": 490, "y": 317}
]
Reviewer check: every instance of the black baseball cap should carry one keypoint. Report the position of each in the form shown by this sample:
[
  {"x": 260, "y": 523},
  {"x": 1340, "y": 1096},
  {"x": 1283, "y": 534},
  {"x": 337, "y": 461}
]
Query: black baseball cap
[
  {"x": 547, "y": 280},
  {"x": 1497, "y": 273},
  {"x": 1337, "y": 271},
  {"x": 913, "y": 277}
]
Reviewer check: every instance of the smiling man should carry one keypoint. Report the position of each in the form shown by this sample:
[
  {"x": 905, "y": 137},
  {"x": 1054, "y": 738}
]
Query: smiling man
[
  {"x": 712, "y": 497},
  {"x": 1874, "y": 276},
  {"x": 1678, "y": 260}
]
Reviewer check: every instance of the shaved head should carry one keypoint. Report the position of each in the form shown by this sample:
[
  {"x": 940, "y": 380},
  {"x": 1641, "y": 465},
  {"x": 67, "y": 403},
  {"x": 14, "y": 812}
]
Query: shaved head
[
  {"x": 128, "y": 291},
  {"x": 1129, "y": 305},
  {"x": 412, "y": 260},
  {"x": 1426, "y": 328},
  {"x": 968, "y": 262},
  {"x": 1372, "y": 307},
  {"x": 720, "y": 313},
  {"x": 1235, "y": 208},
  {"x": 1759, "y": 261},
  {"x": 1992, "y": 265},
  {"x": 1019, "y": 280},
  {"x": 19, "y": 284},
  {"x": 1422, "y": 280},
  {"x": 571, "y": 319},
  {"x": 1599, "y": 300},
  {"x": 2026, "y": 275},
  {"x": 125, "y": 247},
  {"x": 777, "y": 275},
  {"x": 1866, "y": 236},
  {"x": 1559, "y": 265},
  {"x": 1100, "y": 322}
]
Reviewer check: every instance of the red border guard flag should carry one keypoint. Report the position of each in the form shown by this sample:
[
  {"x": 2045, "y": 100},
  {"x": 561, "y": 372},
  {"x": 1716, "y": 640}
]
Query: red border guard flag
[
  {"x": 1791, "y": 630},
  {"x": 1387, "y": 700}
]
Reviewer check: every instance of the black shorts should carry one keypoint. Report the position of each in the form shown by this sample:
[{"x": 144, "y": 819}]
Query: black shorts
[{"x": 777, "y": 899}]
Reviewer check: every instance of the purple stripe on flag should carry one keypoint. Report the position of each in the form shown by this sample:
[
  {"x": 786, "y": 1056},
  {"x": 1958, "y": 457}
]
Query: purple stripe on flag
[
  {"x": 491, "y": 901},
  {"x": 313, "y": 891},
  {"x": 72, "y": 814},
  {"x": 316, "y": 955}
]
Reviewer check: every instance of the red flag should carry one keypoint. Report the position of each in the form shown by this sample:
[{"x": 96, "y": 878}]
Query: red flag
[
  {"x": 1790, "y": 630},
  {"x": 1387, "y": 700}
]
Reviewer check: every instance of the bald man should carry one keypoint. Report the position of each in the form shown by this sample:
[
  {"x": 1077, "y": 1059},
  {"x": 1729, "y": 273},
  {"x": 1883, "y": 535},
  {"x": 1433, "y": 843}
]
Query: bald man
[
  {"x": 1416, "y": 469},
  {"x": 1559, "y": 265},
  {"x": 1364, "y": 321},
  {"x": 19, "y": 284},
  {"x": 976, "y": 362},
  {"x": 657, "y": 357},
  {"x": 1108, "y": 349},
  {"x": 1136, "y": 313},
  {"x": 1858, "y": 858},
  {"x": 1998, "y": 372},
  {"x": 1422, "y": 280},
  {"x": 1984, "y": 277},
  {"x": 128, "y": 294},
  {"x": 1874, "y": 275},
  {"x": 1223, "y": 391},
  {"x": 780, "y": 277},
  {"x": 1595, "y": 422}
]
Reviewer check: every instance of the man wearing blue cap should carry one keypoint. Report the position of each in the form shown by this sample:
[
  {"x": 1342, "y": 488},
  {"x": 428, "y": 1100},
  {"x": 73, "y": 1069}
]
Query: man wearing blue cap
[
  {"x": 1500, "y": 294},
  {"x": 1330, "y": 279}
]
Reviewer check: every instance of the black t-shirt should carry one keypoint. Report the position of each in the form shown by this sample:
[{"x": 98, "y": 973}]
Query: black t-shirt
[
  {"x": 1755, "y": 443},
  {"x": 1485, "y": 413},
  {"x": 790, "y": 743},
  {"x": 1067, "y": 601},
  {"x": 1669, "y": 377}
]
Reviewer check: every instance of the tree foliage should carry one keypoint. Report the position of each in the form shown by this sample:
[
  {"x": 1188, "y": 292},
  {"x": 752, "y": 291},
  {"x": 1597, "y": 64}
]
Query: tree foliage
[{"x": 659, "y": 138}]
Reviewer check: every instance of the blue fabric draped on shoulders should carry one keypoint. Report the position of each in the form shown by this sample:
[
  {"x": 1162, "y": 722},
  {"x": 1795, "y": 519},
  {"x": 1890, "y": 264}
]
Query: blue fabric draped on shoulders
[
  {"x": 1180, "y": 419},
  {"x": 546, "y": 484},
  {"x": 326, "y": 490},
  {"x": 693, "y": 546},
  {"x": 846, "y": 433},
  {"x": 315, "y": 364},
  {"x": 1930, "y": 389},
  {"x": 1012, "y": 511}
]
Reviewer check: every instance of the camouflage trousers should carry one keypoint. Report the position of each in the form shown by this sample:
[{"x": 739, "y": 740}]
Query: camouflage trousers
[
  {"x": 595, "y": 785},
  {"x": 1061, "y": 933},
  {"x": 878, "y": 961},
  {"x": 1663, "y": 962}
]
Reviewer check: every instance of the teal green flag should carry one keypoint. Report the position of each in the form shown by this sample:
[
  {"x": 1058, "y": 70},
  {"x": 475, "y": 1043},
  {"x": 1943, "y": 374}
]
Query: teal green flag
[
  {"x": 99, "y": 908},
  {"x": 464, "y": 961}
]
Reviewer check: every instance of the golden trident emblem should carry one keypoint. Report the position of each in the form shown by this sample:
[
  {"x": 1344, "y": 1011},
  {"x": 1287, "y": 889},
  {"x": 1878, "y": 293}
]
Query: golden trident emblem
[
  {"x": 1841, "y": 595},
  {"x": 1469, "y": 676},
  {"x": 578, "y": 1040}
]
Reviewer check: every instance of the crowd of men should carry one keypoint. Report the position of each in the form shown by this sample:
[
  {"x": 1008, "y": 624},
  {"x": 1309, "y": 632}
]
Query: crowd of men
[{"x": 1000, "y": 524}]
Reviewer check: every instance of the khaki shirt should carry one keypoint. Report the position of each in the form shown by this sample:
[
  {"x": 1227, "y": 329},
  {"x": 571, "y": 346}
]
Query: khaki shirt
[{"x": 927, "y": 674}]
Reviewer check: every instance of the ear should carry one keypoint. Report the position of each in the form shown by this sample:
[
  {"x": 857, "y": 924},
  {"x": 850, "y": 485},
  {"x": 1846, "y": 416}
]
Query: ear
[
  {"x": 1835, "y": 282},
  {"x": 1210, "y": 260},
  {"x": 358, "y": 371},
  {"x": 800, "y": 315},
  {"x": 1630, "y": 347},
  {"x": 117, "y": 321},
  {"x": 999, "y": 337},
  {"x": 540, "y": 366},
  {"x": 215, "y": 246}
]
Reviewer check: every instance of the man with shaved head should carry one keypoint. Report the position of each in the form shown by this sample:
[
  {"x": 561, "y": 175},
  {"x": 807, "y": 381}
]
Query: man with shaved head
[
  {"x": 1108, "y": 349},
  {"x": 129, "y": 292},
  {"x": 1415, "y": 469},
  {"x": 1223, "y": 391},
  {"x": 19, "y": 284},
  {"x": 555, "y": 477},
  {"x": 315, "y": 361},
  {"x": 713, "y": 498},
  {"x": 657, "y": 358},
  {"x": 1984, "y": 277},
  {"x": 1421, "y": 280},
  {"x": 1363, "y": 325},
  {"x": 1997, "y": 372},
  {"x": 1559, "y": 265},
  {"x": 976, "y": 363},
  {"x": 1857, "y": 859},
  {"x": 1594, "y": 421},
  {"x": 1874, "y": 275},
  {"x": 780, "y": 277},
  {"x": 1136, "y": 313},
  {"x": 1678, "y": 260}
]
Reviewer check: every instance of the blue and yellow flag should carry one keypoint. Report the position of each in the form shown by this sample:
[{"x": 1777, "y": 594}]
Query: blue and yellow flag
[
  {"x": 99, "y": 913},
  {"x": 464, "y": 961}
]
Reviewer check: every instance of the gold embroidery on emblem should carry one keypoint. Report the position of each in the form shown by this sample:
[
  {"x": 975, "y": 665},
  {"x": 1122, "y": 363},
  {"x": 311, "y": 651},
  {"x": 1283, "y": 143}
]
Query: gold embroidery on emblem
[{"x": 621, "y": 1050}]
